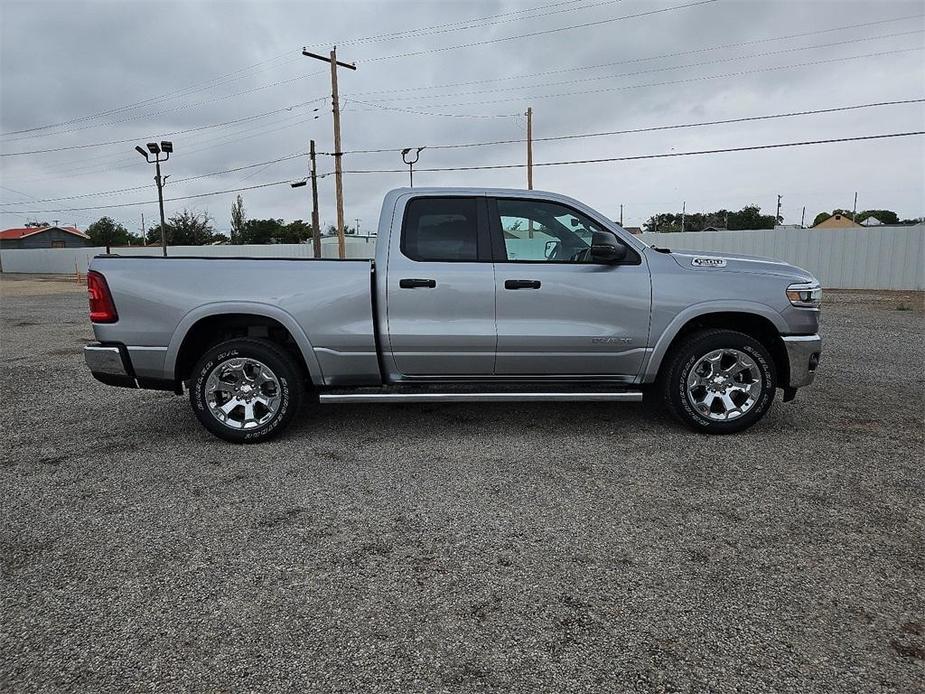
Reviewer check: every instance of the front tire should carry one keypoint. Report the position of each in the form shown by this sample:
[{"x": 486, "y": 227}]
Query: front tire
[
  {"x": 719, "y": 381},
  {"x": 245, "y": 390}
]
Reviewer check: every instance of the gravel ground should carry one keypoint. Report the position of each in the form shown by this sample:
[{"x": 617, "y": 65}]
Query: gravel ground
[{"x": 542, "y": 547}]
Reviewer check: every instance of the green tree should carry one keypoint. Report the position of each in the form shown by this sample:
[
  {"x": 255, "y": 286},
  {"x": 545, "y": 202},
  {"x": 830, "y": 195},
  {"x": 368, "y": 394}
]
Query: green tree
[
  {"x": 261, "y": 231},
  {"x": 185, "y": 228},
  {"x": 238, "y": 220},
  {"x": 107, "y": 232},
  {"x": 749, "y": 217}
]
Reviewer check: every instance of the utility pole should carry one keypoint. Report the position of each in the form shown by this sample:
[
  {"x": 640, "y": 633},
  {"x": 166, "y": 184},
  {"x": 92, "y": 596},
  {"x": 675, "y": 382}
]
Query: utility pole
[
  {"x": 621, "y": 214},
  {"x": 338, "y": 169},
  {"x": 803, "y": 217},
  {"x": 530, "y": 148},
  {"x": 854, "y": 212},
  {"x": 356, "y": 229},
  {"x": 777, "y": 218},
  {"x": 683, "y": 211},
  {"x": 316, "y": 229}
]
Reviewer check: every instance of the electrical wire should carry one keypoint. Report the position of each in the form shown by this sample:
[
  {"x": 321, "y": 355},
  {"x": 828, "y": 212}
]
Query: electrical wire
[
  {"x": 181, "y": 92},
  {"x": 576, "y": 136},
  {"x": 170, "y": 134},
  {"x": 544, "y": 32},
  {"x": 718, "y": 61},
  {"x": 115, "y": 191},
  {"x": 636, "y": 157},
  {"x": 652, "y": 84},
  {"x": 476, "y": 23},
  {"x": 740, "y": 44},
  {"x": 485, "y": 167}
]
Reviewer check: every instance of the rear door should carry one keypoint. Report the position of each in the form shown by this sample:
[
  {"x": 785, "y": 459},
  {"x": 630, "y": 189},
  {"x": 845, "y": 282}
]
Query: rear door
[
  {"x": 560, "y": 314},
  {"x": 440, "y": 289}
]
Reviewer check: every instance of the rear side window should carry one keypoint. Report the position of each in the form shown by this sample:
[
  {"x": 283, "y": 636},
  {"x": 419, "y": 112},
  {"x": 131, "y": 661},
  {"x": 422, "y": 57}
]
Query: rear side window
[{"x": 441, "y": 229}]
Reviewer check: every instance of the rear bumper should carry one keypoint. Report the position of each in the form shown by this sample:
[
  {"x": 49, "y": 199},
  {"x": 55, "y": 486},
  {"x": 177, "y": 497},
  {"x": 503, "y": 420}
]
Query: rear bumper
[
  {"x": 803, "y": 353},
  {"x": 109, "y": 364}
]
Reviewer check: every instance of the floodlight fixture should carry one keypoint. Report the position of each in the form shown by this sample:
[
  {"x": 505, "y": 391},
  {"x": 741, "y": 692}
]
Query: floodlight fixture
[
  {"x": 141, "y": 151},
  {"x": 166, "y": 146},
  {"x": 153, "y": 148}
]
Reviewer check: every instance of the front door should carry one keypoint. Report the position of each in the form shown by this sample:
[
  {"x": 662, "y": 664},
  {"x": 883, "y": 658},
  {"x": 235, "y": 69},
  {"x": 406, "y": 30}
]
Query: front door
[
  {"x": 559, "y": 312},
  {"x": 441, "y": 289}
]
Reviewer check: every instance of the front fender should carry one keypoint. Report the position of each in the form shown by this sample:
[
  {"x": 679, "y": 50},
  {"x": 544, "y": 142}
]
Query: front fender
[
  {"x": 255, "y": 308},
  {"x": 650, "y": 370}
]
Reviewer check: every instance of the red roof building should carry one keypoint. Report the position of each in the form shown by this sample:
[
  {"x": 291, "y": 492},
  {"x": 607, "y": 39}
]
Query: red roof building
[{"x": 44, "y": 237}]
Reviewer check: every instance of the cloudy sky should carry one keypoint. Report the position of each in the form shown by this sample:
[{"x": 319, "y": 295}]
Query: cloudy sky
[{"x": 226, "y": 82}]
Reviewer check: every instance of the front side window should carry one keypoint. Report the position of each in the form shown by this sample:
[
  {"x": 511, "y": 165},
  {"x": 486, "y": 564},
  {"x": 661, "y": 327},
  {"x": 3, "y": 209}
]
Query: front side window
[
  {"x": 545, "y": 231},
  {"x": 441, "y": 229}
]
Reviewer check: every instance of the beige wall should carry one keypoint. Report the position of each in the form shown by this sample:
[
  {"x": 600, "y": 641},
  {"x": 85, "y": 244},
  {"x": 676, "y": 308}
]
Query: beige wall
[{"x": 837, "y": 221}]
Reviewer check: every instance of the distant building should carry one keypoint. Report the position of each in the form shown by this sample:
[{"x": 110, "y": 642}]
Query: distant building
[
  {"x": 633, "y": 230},
  {"x": 837, "y": 221},
  {"x": 871, "y": 222},
  {"x": 44, "y": 237},
  {"x": 788, "y": 227},
  {"x": 716, "y": 229}
]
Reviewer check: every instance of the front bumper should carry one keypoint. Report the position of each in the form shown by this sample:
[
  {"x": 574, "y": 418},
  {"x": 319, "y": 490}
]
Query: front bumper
[
  {"x": 109, "y": 364},
  {"x": 803, "y": 356}
]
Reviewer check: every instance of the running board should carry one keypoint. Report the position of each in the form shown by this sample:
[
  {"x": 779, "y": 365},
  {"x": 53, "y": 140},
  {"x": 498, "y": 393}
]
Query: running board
[{"x": 564, "y": 396}]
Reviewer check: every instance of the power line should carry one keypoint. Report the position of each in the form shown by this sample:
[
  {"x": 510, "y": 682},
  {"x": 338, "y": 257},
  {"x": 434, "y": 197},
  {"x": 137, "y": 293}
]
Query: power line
[
  {"x": 658, "y": 69},
  {"x": 500, "y": 166},
  {"x": 638, "y": 157},
  {"x": 475, "y": 23},
  {"x": 676, "y": 54},
  {"x": 175, "y": 132},
  {"x": 179, "y": 180},
  {"x": 153, "y": 202},
  {"x": 655, "y": 128},
  {"x": 181, "y": 107},
  {"x": 652, "y": 84},
  {"x": 190, "y": 89},
  {"x": 584, "y": 25}
]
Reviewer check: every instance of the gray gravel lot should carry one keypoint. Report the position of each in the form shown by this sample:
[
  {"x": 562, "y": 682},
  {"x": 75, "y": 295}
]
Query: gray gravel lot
[{"x": 542, "y": 547}]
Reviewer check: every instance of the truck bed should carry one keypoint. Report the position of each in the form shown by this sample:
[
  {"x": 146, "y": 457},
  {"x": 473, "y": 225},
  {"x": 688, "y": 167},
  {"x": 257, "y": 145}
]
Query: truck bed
[{"x": 326, "y": 305}]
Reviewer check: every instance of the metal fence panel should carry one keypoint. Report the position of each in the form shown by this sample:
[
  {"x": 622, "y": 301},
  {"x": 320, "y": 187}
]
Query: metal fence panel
[{"x": 868, "y": 258}]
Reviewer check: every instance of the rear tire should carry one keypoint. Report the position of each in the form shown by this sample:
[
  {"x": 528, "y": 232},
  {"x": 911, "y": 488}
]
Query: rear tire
[
  {"x": 719, "y": 381},
  {"x": 246, "y": 390}
]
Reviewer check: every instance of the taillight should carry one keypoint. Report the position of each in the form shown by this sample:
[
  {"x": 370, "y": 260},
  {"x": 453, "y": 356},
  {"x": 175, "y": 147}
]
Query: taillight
[{"x": 102, "y": 309}]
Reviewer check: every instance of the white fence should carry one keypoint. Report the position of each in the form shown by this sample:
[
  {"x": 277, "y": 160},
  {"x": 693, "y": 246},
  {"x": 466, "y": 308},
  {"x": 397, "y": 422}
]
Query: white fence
[{"x": 869, "y": 258}]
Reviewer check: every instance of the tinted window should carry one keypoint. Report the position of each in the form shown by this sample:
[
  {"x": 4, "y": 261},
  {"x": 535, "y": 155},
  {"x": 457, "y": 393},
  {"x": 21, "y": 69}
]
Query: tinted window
[
  {"x": 546, "y": 231},
  {"x": 441, "y": 229}
]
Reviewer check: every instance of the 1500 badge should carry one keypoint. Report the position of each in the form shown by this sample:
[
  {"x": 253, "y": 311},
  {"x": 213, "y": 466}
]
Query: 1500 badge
[{"x": 701, "y": 261}]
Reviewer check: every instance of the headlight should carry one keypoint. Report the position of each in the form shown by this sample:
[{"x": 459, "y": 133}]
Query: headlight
[{"x": 805, "y": 294}]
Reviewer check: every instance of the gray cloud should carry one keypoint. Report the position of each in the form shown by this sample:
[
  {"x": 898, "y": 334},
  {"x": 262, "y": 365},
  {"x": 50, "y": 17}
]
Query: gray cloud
[{"x": 62, "y": 61}]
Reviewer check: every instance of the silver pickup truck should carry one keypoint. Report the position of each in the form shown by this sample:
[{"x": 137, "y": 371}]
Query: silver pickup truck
[{"x": 482, "y": 295}]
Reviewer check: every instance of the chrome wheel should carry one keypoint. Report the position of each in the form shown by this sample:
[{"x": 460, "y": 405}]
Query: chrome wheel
[
  {"x": 724, "y": 384},
  {"x": 243, "y": 393}
]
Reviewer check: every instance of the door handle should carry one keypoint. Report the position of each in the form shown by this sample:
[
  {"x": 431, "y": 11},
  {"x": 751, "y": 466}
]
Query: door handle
[
  {"x": 412, "y": 283},
  {"x": 521, "y": 284}
]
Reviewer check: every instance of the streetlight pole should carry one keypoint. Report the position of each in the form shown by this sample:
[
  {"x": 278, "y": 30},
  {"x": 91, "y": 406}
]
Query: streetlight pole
[{"x": 165, "y": 147}]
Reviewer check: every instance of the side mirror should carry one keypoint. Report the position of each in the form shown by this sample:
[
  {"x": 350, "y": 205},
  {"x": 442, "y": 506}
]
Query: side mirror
[{"x": 606, "y": 248}]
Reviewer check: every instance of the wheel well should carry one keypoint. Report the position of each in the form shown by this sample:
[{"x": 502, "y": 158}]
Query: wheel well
[
  {"x": 211, "y": 330},
  {"x": 751, "y": 324}
]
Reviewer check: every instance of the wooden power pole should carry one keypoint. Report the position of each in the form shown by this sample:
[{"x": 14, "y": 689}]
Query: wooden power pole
[
  {"x": 316, "y": 227},
  {"x": 530, "y": 148},
  {"x": 338, "y": 169}
]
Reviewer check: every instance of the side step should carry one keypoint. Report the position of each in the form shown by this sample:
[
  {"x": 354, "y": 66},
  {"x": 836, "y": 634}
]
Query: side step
[{"x": 450, "y": 396}]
